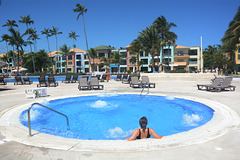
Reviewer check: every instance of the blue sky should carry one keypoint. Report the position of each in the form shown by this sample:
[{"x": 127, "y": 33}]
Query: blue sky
[{"x": 118, "y": 22}]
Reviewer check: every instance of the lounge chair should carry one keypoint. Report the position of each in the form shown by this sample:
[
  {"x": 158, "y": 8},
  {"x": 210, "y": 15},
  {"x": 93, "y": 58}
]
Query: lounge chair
[
  {"x": 52, "y": 82},
  {"x": 146, "y": 82},
  {"x": 94, "y": 83},
  {"x": 135, "y": 82},
  {"x": 83, "y": 84},
  {"x": 42, "y": 82},
  {"x": 98, "y": 77},
  {"x": 226, "y": 83},
  {"x": 67, "y": 79},
  {"x": 18, "y": 80},
  {"x": 75, "y": 78},
  {"x": 216, "y": 82},
  {"x": 26, "y": 80},
  {"x": 126, "y": 78},
  {"x": 2, "y": 82},
  {"x": 104, "y": 77},
  {"x": 119, "y": 77}
]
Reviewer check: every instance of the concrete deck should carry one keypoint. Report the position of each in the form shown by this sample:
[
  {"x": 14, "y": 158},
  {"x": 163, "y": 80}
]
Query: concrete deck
[{"x": 224, "y": 147}]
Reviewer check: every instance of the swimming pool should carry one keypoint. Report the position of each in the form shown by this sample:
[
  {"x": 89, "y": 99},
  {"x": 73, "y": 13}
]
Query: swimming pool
[
  {"x": 35, "y": 78},
  {"x": 111, "y": 117}
]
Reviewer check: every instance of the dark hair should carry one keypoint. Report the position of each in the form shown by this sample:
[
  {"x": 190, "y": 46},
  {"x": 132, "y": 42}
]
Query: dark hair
[{"x": 143, "y": 123}]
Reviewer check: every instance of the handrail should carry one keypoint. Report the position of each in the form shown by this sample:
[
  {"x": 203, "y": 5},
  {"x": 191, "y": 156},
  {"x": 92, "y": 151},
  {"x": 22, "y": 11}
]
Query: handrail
[
  {"x": 29, "y": 120},
  {"x": 144, "y": 88}
]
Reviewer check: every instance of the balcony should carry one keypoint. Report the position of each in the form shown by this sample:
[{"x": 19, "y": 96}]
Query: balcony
[{"x": 193, "y": 62}]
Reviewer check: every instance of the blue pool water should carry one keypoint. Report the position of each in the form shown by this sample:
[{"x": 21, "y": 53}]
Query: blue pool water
[
  {"x": 110, "y": 117},
  {"x": 35, "y": 78}
]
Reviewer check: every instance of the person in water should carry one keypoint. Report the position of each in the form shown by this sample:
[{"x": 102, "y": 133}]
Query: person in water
[{"x": 143, "y": 132}]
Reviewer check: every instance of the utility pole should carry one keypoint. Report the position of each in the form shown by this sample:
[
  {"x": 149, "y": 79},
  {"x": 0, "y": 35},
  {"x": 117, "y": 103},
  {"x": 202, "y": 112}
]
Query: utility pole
[{"x": 201, "y": 57}]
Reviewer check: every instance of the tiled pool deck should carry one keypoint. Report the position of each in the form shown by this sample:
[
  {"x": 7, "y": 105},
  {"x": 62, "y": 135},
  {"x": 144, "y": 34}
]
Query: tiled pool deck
[{"x": 225, "y": 146}]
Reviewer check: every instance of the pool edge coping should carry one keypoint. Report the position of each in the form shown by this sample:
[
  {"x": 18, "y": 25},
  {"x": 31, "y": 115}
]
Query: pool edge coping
[{"x": 12, "y": 129}]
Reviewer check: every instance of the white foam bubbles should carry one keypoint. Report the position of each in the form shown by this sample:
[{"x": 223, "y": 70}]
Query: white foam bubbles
[
  {"x": 190, "y": 120},
  {"x": 169, "y": 97},
  {"x": 117, "y": 132},
  {"x": 33, "y": 115},
  {"x": 104, "y": 94},
  {"x": 102, "y": 104},
  {"x": 99, "y": 104},
  {"x": 45, "y": 102}
]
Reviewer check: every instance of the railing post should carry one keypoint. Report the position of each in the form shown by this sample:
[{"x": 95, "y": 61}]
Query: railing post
[
  {"x": 29, "y": 122},
  {"x": 29, "y": 117}
]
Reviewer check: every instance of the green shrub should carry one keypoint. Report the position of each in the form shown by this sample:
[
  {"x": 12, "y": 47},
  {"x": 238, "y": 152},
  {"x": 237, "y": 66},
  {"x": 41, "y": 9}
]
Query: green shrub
[{"x": 181, "y": 71}]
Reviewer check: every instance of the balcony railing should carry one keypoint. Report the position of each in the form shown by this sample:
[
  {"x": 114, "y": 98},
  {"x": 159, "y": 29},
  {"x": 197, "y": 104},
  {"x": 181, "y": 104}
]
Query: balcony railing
[{"x": 192, "y": 62}]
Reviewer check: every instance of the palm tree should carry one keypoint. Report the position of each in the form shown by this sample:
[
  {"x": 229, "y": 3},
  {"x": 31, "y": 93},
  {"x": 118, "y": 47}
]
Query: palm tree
[
  {"x": 10, "y": 24},
  {"x": 150, "y": 42},
  {"x": 54, "y": 31},
  {"x": 74, "y": 36},
  {"x": 232, "y": 36},
  {"x": 5, "y": 38},
  {"x": 27, "y": 20},
  {"x": 133, "y": 60},
  {"x": 81, "y": 10},
  {"x": 47, "y": 32},
  {"x": 163, "y": 27},
  {"x": 93, "y": 55},
  {"x": 66, "y": 51},
  {"x": 211, "y": 51},
  {"x": 18, "y": 41},
  {"x": 116, "y": 59}
]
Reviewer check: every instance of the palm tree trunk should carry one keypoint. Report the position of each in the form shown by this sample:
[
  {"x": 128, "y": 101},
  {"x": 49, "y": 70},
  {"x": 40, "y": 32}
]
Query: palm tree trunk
[
  {"x": 50, "y": 52},
  {"x": 34, "y": 70},
  {"x": 13, "y": 57},
  {"x": 153, "y": 62},
  {"x": 18, "y": 61},
  {"x": 86, "y": 43},
  {"x": 7, "y": 46}
]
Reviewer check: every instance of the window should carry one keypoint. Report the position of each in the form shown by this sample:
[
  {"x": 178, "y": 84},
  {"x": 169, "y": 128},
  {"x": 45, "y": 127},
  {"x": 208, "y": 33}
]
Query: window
[
  {"x": 192, "y": 52},
  {"x": 141, "y": 54},
  {"x": 193, "y": 61},
  {"x": 63, "y": 70},
  {"x": 157, "y": 60},
  {"x": 85, "y": 56},
  {"x": 145, "y": 61},
  {"x": 101, "y": 54},
  {"x": 123, "y": 62},
  {"x": 124, "y": 54},
  {"x": 146, "y": 54},
  {"x": 180, "y": 53},
  {"x": 70, "y": 57},
  {"x": 57, "y": 58},
  {"x": 69, "y": 70},
  {"x": 86, "y": 62},
  {"x": 70, "y": 63},
  {"x": 180, "y": 60},
  {"x": 63, "y": 57},
  {"x": 238, "y": 49},
  {"x": 58, "y": 64},
  {"x": 167, "y": 52},
  {"x": 79, "y": 63},
  {"x": 166, "y": 60},
  {"x": 238, "y": 56},
  {"x": 10, "y": 59},
  {"x": 78, "y": 57}
]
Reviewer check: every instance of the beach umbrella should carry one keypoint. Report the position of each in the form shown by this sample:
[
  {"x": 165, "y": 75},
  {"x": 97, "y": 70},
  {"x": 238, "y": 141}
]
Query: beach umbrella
[
  {"x": 22, "y": 69},
  {"x": 105, "y": 67},
  {"x": 2, "y": 63}
]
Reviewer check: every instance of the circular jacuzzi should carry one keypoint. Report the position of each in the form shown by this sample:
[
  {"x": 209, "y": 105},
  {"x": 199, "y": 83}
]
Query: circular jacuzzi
[
  {"x": 114, "y": 117},
  {"x": 220, "y": 119}
]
